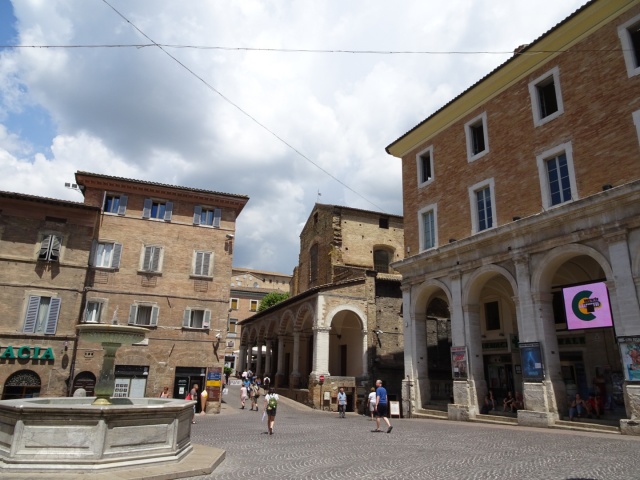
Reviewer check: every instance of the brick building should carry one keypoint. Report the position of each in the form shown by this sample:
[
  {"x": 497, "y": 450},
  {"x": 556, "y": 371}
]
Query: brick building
[
  {"x": 163, "y": 261},
  {"x": 522, "y": 187},
  {"x": 44, "y": 256},
  {"x": 344, "y": 320},
  {"x": 248, "y": 288}
]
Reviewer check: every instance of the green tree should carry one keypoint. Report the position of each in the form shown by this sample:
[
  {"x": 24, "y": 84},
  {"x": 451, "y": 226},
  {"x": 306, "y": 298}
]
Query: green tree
[{"x": 270, "y": 299}]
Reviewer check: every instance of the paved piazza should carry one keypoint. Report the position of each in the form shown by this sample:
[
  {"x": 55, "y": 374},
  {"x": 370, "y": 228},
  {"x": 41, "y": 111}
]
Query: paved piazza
[{"x": 312, "y": 444}]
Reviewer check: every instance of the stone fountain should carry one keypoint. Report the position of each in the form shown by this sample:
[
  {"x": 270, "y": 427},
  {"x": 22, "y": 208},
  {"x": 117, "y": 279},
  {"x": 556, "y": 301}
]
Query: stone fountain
[{"x": 83, "y": 434}]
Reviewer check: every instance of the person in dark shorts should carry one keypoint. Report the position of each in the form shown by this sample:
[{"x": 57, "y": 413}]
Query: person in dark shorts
[
  {"x": 270, "y": 406},
  {"x": 381, "y": 407}
]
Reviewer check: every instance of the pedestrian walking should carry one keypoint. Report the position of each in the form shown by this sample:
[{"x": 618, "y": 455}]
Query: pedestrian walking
[
  {"x": 381, "y": 407},
  {"x": 342, "y": 402},
  {"x": 255, "y": 396},
  {"x": 243, "y": 395},
  {"x": 270, "y": 406},
  {"x": 372, "y": 402},
  {"x": 195, "y": 396},
  {"x": 165, "y": 393}
]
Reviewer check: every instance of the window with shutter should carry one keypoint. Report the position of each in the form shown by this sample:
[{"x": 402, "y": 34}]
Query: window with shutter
[
  {"x": 202, "y": 266},
  {"x": 42, "y": 315},
  {"x": 114, "y": 203},
  {"x": 151, "y": 259},
  {"x": 157, "y": 209},
  {"x": 144, "y": 315},
  {"x": 50, "y": 248},
  {"x": 196, "y": 318},
  {"x": 206, "y": 216}
]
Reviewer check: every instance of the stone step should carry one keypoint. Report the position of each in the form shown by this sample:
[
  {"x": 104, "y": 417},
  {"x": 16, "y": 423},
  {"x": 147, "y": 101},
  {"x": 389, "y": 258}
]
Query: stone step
[
  {"x": 497, "y": 419},
  {"x": 586, "y": 427},
  {"x": 427, "y": 413}
]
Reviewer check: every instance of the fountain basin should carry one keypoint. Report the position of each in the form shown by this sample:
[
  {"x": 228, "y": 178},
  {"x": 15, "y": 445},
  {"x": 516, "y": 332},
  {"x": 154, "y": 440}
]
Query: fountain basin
[
  {"x": 105, "y": 333},
  {"x": 70, "y": 434}
]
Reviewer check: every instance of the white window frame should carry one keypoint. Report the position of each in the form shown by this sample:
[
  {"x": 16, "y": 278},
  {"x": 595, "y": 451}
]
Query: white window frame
[
  {"x": 541, "y": 160},
  {"x": 479, "y": 120},
  {"x": 187, "y": 318},
  {"x": 429, "y": 208},
  {"x": 231, "y": 300},
  {"x": 50, "y": 247},
  {"x": 252, "y": 303},
  {"x": 475, "y": 219},
  {"x": 122, "y": 203},
  {"x": 202, "y": 260},
  {"x": 115, "y": 255},
  {"x": 538, "y": 120},
  {"x": 154, "y": 314},
  {"x": 102, "y": 302},
  {"x": 43, "y": 322},
  {"x": 234, "y": 332},
  {"x": 215, "y": 218},
  {"x": 419, "y": 156},
  {"x": 636, "y": 121},
  {"x": 148, "y": 206},
  {"x": 628, "y": 52},
  {"x": 149, "y": 268}
]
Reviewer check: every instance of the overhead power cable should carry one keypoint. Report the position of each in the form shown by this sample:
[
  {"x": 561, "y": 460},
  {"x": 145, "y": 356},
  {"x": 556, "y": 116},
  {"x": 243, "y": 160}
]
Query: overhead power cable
[{"x": 247, "y": 114}]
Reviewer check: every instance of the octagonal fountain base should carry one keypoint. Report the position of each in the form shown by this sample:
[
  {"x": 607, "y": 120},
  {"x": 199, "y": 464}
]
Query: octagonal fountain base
[{"x": 71, "y": 435}]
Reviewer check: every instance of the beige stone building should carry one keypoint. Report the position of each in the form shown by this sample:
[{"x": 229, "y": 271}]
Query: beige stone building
[
  {"x": 343, "y": 322},
  {"x": 162, "y": 260},
  {"x": 44, "y": 256},
  {"x": 518, "y": 193},
  {"x": 248, "y": 288}
]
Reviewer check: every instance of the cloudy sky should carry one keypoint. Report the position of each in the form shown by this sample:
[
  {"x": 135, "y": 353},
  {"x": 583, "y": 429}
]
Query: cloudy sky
[{"x": 250, "y": 114}]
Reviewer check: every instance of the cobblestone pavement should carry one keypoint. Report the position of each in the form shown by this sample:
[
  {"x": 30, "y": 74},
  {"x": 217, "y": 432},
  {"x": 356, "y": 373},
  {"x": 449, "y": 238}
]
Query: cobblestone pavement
[{"x": 312, "y": 444}]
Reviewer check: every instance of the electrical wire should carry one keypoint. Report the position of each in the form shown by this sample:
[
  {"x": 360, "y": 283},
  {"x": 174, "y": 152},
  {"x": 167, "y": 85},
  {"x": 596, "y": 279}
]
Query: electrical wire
[{"x": 247, "y": 114}]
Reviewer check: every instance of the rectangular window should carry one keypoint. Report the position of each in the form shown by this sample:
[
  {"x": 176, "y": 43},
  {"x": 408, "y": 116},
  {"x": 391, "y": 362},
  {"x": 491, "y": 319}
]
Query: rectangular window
[
  {"x": 232, "y": 327},
  {"x": 492, "y": 315},
  {"x": 253, "y": 307},
  {"x": 428, "y": 227},
  {"x": 485, "y": 215},
  {"x": 629, "y": 34},
  {"x": 143, "y": 315},
  {"x": 234, "y": 304},
  {"x": 424, "y": 165},
  {"x": 50, "y": 247},
  {"x": 206, "y": 216},
  {"x": 157, "y": 209},
  {"x": 202, "y": 263},
  {"x": 92, "y": 312},
  {"x": 152, "y": 258},
  {"x": 557, "y": 178},
  {"x": 482, "y": 200},
  {"x": 107, "y": 254},
  {"x": 546, "y": 97},
  {"x": 477, "y": 137},
  {"x": 197, "y": 318},
  {"x": 383, "y": 222},
  {"x": 115, "y": 204},
  {"x": 42, "y": 315}
]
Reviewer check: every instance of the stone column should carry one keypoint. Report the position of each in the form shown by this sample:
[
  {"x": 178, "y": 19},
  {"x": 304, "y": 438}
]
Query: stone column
[
  {"x": 280, "y": 366},
  {"x": 365, "y": 355},
  {"x": 269, "y": 354},
  {"x": 242, "y": 359},
  {"x": 259, "y": 357},
  {"x": 320, "y": 352},
  {"x": 624, "y": 304},
  {"x": 409, "y": 404},
  {"x": 542, "y": 400},
  {"x": 295, "y": 370}
]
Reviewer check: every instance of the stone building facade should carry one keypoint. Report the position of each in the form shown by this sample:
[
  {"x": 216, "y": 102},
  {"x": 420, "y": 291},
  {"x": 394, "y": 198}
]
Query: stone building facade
[
  {"x": 525, "y": 186},
  {"x": 343, "y": 323},
  {"x": 248, "y": 288},
  {"x": 44, "y": 256},
  {"x": 139, "y": 253}
]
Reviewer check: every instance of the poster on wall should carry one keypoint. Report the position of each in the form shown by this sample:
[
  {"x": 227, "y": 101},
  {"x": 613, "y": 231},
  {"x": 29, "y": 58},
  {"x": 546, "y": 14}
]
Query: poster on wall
[
  {"x": 459, "y": 363},
  {"x": 630, "y": 354},
  {"x": 531, "y": 359}
]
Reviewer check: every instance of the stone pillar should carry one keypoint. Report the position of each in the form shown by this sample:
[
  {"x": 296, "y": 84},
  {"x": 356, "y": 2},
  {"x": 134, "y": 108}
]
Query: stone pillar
[
  {"x": 259, "y": 357},
  {"x": 542, "y": 400},
  {"x": 365, "y": 355},
  {"x": 295, "y": 370},
  {"x": 269, "y": 354},
  {"x": 626, "y": 310},
  {"x": 320, "y": 352},
  {"x": 280, "y": 366},
  {"x": 409, "y": 404},
  {"x": 417, "y": 361},
  {"x": 242, "y": 359}
]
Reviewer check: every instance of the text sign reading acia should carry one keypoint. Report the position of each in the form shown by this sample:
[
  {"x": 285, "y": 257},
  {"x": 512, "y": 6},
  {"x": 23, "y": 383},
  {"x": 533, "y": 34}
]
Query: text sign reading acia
[{"x": 26, "y": 352}]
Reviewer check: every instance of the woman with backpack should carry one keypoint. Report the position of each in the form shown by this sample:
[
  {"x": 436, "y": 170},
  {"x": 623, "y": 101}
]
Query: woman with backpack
[{"x": 270, "y": 406}]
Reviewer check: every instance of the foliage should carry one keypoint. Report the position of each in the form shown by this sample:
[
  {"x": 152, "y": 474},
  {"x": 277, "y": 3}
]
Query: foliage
[{"x": 271, "y": 299}]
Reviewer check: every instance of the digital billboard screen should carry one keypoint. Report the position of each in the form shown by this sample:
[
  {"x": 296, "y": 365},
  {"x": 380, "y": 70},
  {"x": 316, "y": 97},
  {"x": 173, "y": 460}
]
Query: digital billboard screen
[{"x": 587, "y": 306}]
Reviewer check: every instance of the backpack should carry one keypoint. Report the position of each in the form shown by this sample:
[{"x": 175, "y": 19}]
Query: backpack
[
  {"x": 256, "y": 391},
  {"x": 273, "y": 402}
]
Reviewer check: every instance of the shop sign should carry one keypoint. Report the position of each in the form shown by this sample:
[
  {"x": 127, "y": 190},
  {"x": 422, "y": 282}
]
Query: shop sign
[
  {"x": 496, "y": 345},
  {"x": 26, "y": 352}
]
